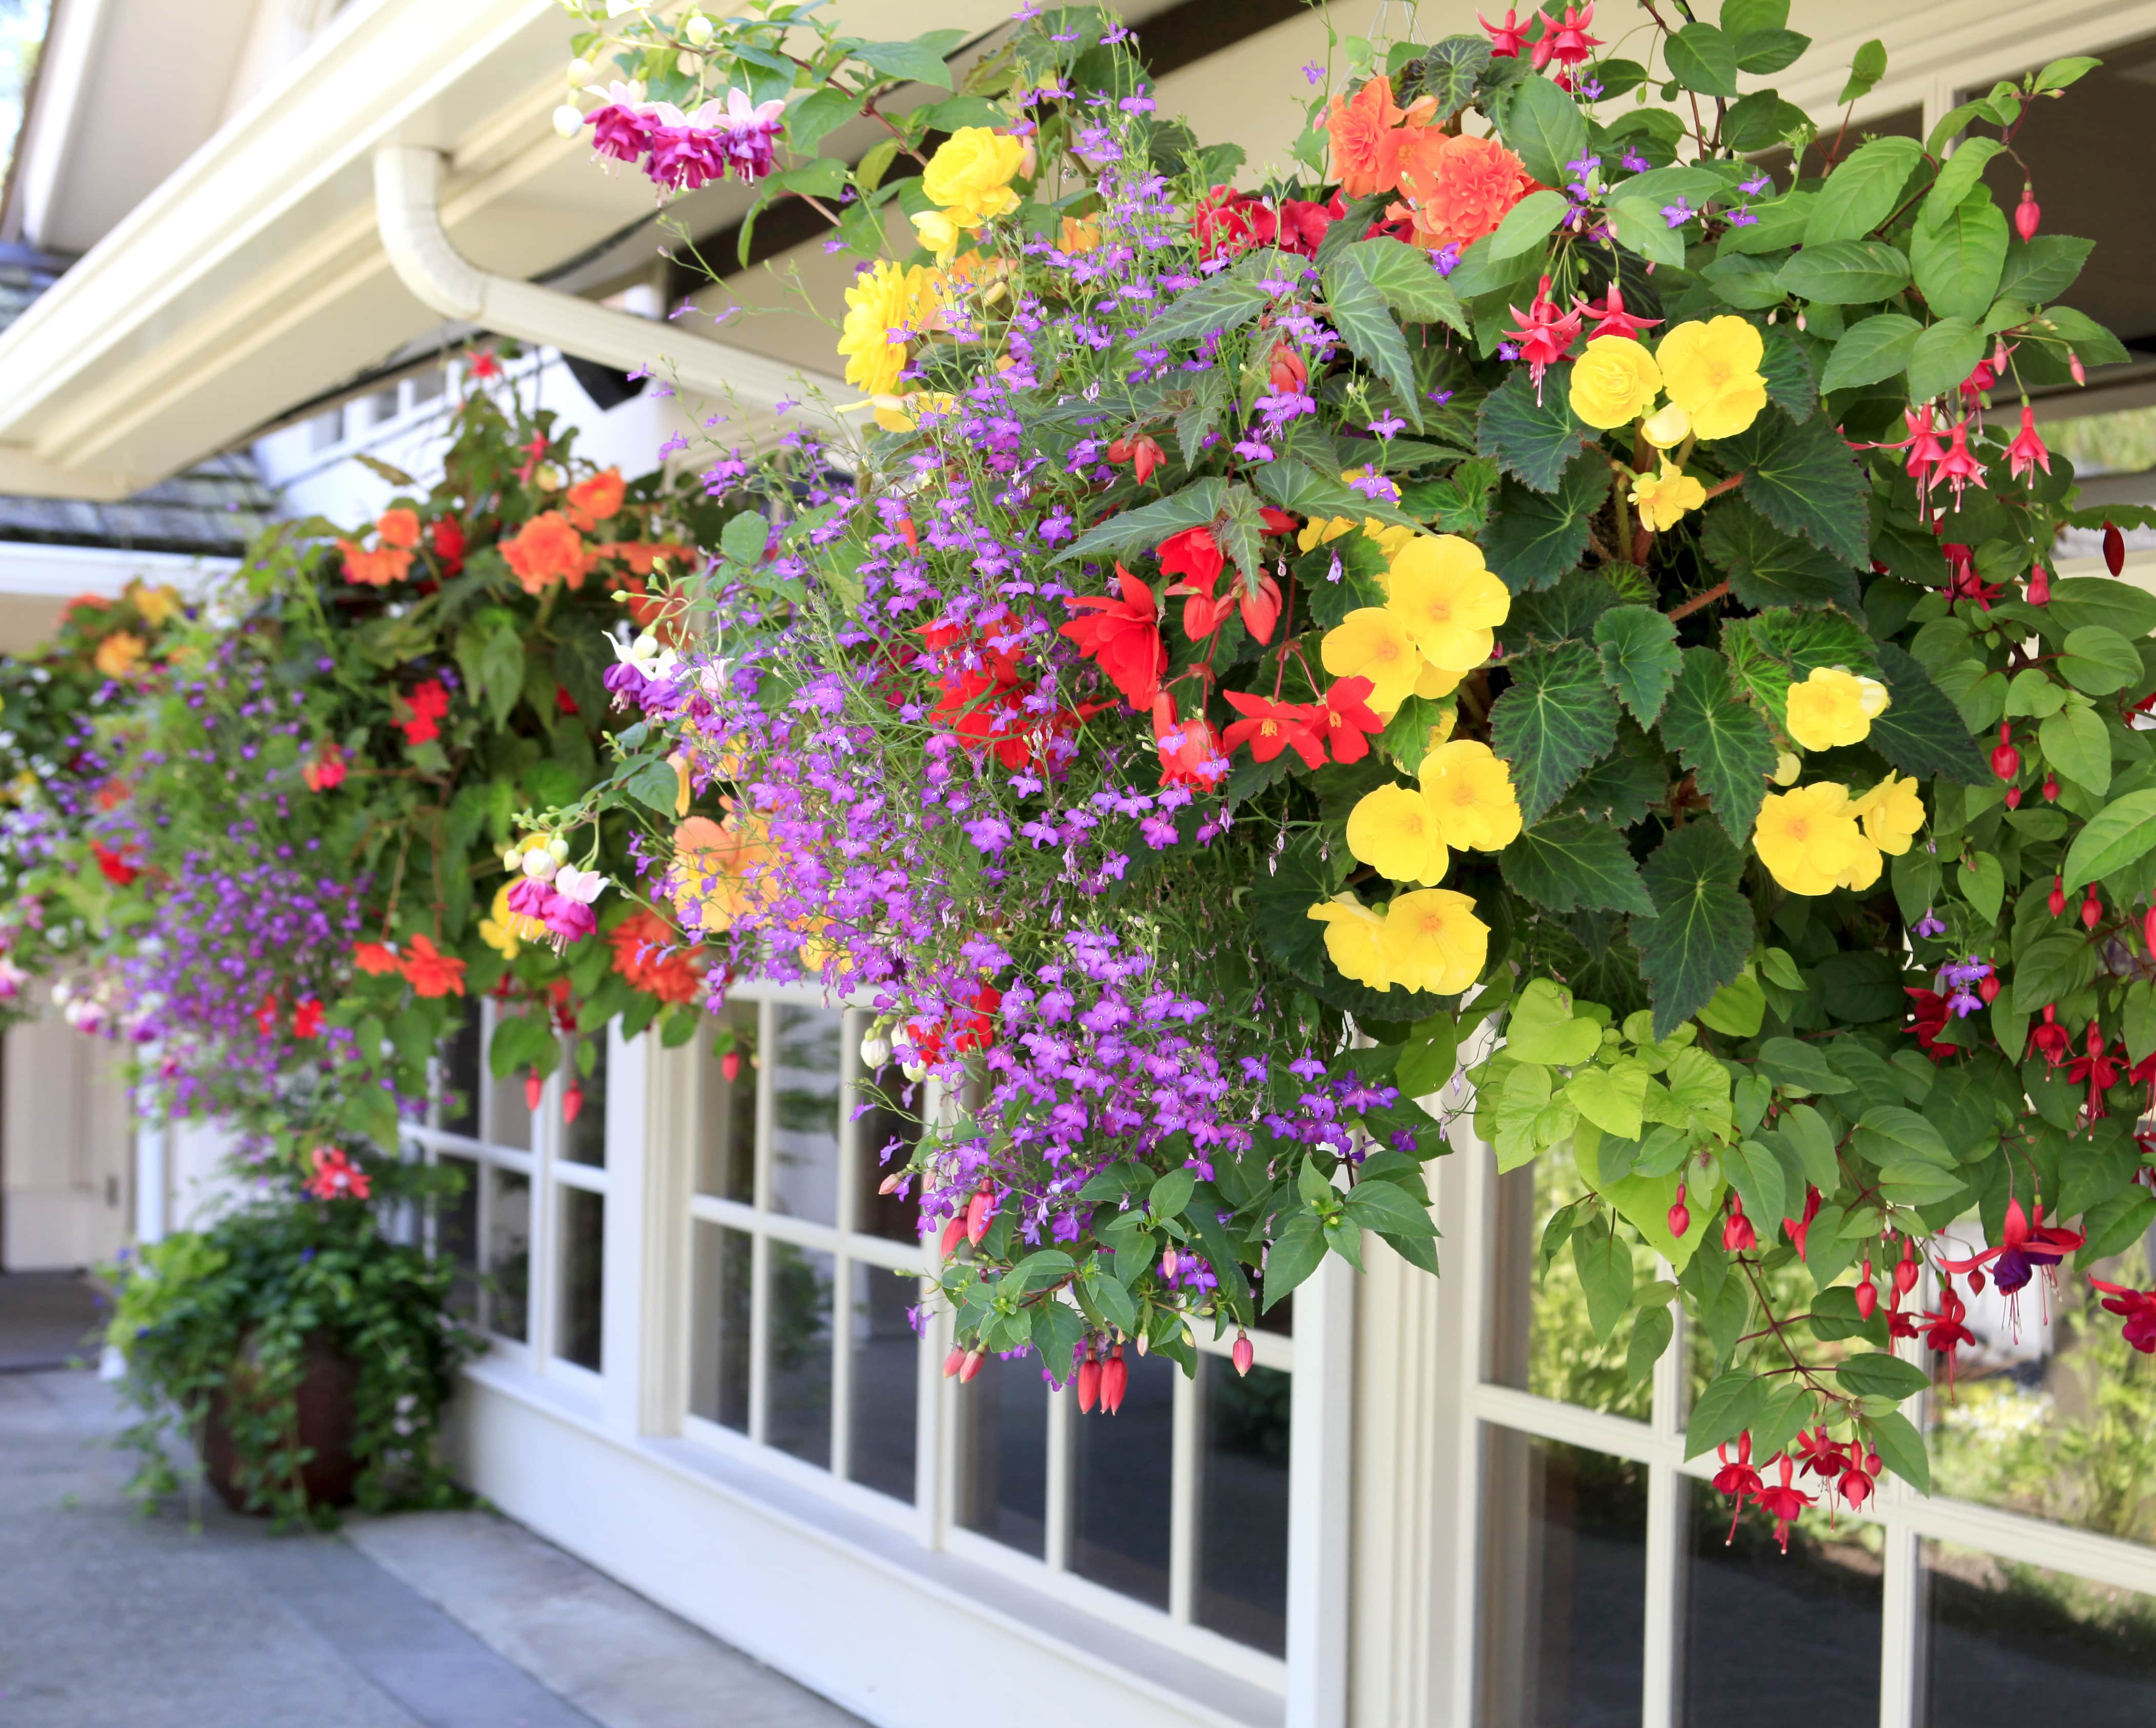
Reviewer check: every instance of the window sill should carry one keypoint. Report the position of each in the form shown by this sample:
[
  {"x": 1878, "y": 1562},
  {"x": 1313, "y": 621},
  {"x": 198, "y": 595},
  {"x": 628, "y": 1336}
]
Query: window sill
[{"x": 1201, "y": 1693}]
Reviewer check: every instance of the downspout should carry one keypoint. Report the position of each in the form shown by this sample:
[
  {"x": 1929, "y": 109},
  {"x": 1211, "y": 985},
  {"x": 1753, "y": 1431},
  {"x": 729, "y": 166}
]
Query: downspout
[{"x": 408, "y": 183}]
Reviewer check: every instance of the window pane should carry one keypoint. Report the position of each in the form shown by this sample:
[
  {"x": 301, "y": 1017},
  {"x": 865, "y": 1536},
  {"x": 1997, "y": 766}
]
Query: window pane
[
  {"x": 1002, "y": 1454},
  {"x": 584, "y": 1142},
  {"x": 584, "y": 1276},
  {"x": 1122, "y": 1483},
  {"x": 508, "y": 1115},
  {"x": 804, "y": 1145},
  {"x": 2056, "y": 1420},
  {"x": 460, "y": 1079},
  {"x": 1540, "y": 1340},
  {"x": 796, "y": 1415},
  {"x": 1809, "y": 1617},
  {"x": 895, "y": 1217},
  {"x": 1563, "y": 1585},
  {"x": 508, "y": 1252},
  {"x": 2009, "y": 1642},
  {"x": 1242, "y": 1503},
  {"x": 726, "y": 1149},
  {"x": 426, "y": 386},
  {"x": 456, "y": 1235},
  {"x": 718, "y": 1326},
  {"x": 885, "y": 1390}
]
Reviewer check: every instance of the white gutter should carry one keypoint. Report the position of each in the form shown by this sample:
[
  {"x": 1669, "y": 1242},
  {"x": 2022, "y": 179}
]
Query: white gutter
[{"x": 407, "y": 181}]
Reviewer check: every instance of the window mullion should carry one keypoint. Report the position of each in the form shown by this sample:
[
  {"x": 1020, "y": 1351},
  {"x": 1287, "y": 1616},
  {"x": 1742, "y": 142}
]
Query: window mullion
[
  {"x": 842, "y": 1360},
  {"x": 1182, "y": 1503},
  {"x": 759, "y": 1327},
  {"x": 1062, "y": 1459},
  {"x": 1668, "y": 1528}
]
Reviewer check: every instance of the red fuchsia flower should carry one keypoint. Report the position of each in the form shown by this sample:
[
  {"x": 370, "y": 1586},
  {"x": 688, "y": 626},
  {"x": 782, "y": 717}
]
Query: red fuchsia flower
[
  {"x": 1799, "y": 1228},
  {"x": 429, "y": 702},
  {"x": 1783, "y": 1503},
  {"x": 2027, "y": 450},
  {"x": 1349, "y": 720},
  {"x": 1963, "y": 582},
  {"x": 1737, "y": 1479},
  {"x": 2138, "y": 1307},
  {"x": 1122, "y": 636},
  {"x": 1923, "y": 443},
  {"x": 1821, "y": 1455},
  {"x": 1302, "y": 224},
  {"x": 1269, "y": 727},
  {"x": 2027, "y": 213},
  {"x": 323, "y": 772},
  {"x": 484, "y": 366},
  {"x": 118, "y": 867},
  {"x": 429, "y": 971},
  {"x": 2025, "y": 1249},
  {"x": 1858, "y": 1480},
  {"x": 1929, "y": 1008},
  {"x": 337, "y": 1177},
  {"x": 1943, "y": 1332},
  {"x": 2048, "y": 1039},
  {"x": 1898, "y": 1324},
  {"x": 1738, "y": 1235},
  {"x": 1190, "y": 754},
  {"x": 1611, "y": 319},
  {"x": 1544, "y": 334},
  {"x": 307, "y": 1017},
  {"x": 1568, "y": 42},
  {"x": 1959, "y": 468},
  {"x": 1508, "y": 40}
]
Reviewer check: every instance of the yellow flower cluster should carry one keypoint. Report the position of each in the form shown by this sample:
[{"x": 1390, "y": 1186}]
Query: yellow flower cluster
[
  {"x": 1463, "y": 799},
  {"x": 1441, "y": 606},
  {"x": 1833, "y": 707},
  {"x": 1819, "y": 838},
  {"x": 886, "y": 307},
  {"x": 1427, "y": 940},
  {"x": 968, "y": 180},
  {"x": 1710, "y": 369}
]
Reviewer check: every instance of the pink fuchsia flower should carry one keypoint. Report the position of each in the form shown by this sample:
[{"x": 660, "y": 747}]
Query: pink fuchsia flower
[
  {"x": 621, "y": 128},
  {"x": 337, "y": 1177},
  {"x": 1959, "y": 467},
  {"x": 2138, "y": 1307},
  {"x": 1567, "y": 43},
  {"x": 568, "y": 911},
  {"x": 2027, "y": 450},
  {"x": 2024, "y": 1249},
  {"x": 1737, "y": 1479},
  {"x": 1506, "y": 39},
  {"x": 1611, "y": 319},
  {"x": 1784, "y": 1502},
  {"x": 1544, "y": 334}
]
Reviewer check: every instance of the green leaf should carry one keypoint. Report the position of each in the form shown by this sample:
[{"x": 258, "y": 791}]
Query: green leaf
[
  {"x": 1730, "y": 1403},
  {"x": 1528, "y": 223},
  {"x": 1892, "y": 1133},
  {"x": 1641, "y": 226},
  {"x": 2039, "y": 270},
  {"x": 2098, "y": 661},
  {"x": 1297, "y": 1251},
  {"x": 2074, "y": 742},
  {"x": 1535, "y": 537},
  {"x": 1804, "y": 1131},
  {"x": 655, "y": 785},
  {"x": 1613, "y": 1098},
  {"x": 1957, "y": 179},
  {"x": 1651, "y": 1333},
  {"x": 1737, "y": 1008},
  {"x": 1409, "y": 282},
  {"x": 1366, "y": 324},
  {"x": 1640, "y": 658},
  {"x": 1943, "y": 357},
  {"x": 1862, "y": 192},
  {"x": 1922, "y": 733},
  {"x": 1786, "y": 1409},
  {"x": 913, "y": 62},
  {"x": 1901, "y": 1448},
  {"x": 1767, "y": 568},
  {"x": 2057, "y": 74},
  {"x": 1428, "y": 1060},
  {"x": 744, "y": 538},
  {"x": 1604, "y": 1261},
  {"x": 1388, "y": 1208},
  {"x": 1226, "y": 302},
  {"x": 1448, "y": 73},
  {"x": 1556, "y": 718},
  {"x": 1750, "y": 283},
  {"x": 1805, "y": 480},
  {"x": 1800, "y": 1067},
  {"x": 1873, "y": 1373},
  {"x": 1764, "y": 51},
  {"x": 1702, "y": 58},
  {"x": 1866, "y": 67},
  {"x": 1545, "y": 128},
  {"x": 1870, "y": 351},
  {"x": 816, "y": 116},
  {"x": 1756, "y": 1173},
  {"x": 1143, "y": 527},
  {"x": 1721, "y": 739},
  {"x": 2080, "y": 600},
  {"x": 1569, "y": 863},
  {"x": 1788, "y": 370},
  {"x": 1533, "y": 438},
  {"x": 2120, "y": 834},
  {"x": 1295, "y": 485},
  {"x": 1701, "y": 934},
  {"x": 2048, "y": 969},
  {"x": 1846, "y": 273}
]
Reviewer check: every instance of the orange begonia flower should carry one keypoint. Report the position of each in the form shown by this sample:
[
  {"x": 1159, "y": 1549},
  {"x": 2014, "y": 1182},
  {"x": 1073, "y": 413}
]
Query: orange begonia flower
[
  {"x": 429, "y": 971},
  {"x": 640, "y": 555},
  {"x": 398, "y": 528},
  {"x": 375, "y": 569},
  {"x": 117, "y": 654},
  {"x": 375, "y": 959},
  {"x": 1457, "y": 190},
  {"x": 710, "y": 881},
  {"x": 672, "y": 976},
  {"x": 547, "y": 550},
  {"x": 1368, "y": 137},
  {"x": 597, "y": 499}
]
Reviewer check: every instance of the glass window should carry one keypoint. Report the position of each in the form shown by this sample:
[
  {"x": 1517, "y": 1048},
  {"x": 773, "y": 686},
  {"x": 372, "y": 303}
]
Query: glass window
[
  {"x": 2005, "y": 1642},
  {"x": 725, "y": 1140},
  {"x": 1242, "y": 1504},
  {"x": 456, "y": 1236},
  {"x": 1540, "y": 1340},
  {"x": 798, "y": 1407},
  {"x": 428, "y": 385},
  {"x": 1122, "y": 1485},
  {"x": 508, "y": 1252},
  {"x": 804, "y": 1161},
  {"x": 1003, "y": 1455},
  {"x": 584, "y": 1138},
  {"x": 719, "y": 1334},
  {"x": 508, "y": 1114},
  {"x": 1563, "y": 1585},
  {"x": 460, "y": 1079},
  {"x": 884, "y": 1389},
  {"x": 584, "y": 1277},
  {"x": 886, "y": 1137}
]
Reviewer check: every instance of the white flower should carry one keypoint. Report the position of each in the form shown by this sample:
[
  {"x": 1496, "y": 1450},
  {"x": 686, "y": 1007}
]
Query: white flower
[
  {"x": 568, "y": 121},
  {"x": 647, "y": 656},
  {"x": 618, "y": 95},
  {"x": 875, "y": 1052},
  {"x": 582, "y": 886},
  {"x": 540, "y": 864}
]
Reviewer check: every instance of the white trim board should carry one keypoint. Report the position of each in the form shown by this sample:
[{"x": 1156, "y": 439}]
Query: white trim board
[{"x": 63, "y": 572}]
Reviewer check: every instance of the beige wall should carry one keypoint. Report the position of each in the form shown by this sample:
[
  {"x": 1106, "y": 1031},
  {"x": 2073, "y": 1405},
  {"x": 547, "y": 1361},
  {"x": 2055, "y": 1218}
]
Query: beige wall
[
  {"x": 26, "y": 620},
  {"x": 65, "y": 1150}
]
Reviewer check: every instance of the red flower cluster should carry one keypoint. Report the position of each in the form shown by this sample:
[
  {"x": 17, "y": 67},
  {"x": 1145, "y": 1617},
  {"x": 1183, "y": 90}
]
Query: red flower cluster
[
  {"x": 1195, "y": 557},
  {"x": 337, "y": 1177},
  {"x": 429, "y": 702},
  {"x": 955, "y": 1034},
  {"x": 1342, "y": 722},
  {"x": 1122, "y": 636},
  {"x": 118, "y": 867},
  {"x": 2139, "y": 1309},
  {"x": 1227, "y": 222},
  {"x": 984, "y": 699}
]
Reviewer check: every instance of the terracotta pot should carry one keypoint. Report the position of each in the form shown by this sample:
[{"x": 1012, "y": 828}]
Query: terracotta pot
[{"x": 325, "y": 1402}]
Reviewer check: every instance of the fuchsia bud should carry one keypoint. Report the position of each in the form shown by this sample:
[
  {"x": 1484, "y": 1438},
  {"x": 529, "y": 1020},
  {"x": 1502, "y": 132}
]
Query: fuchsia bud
[
  {"x": 1976, "y": 1282},
  {"x": 1905, "y": 1273},
  {"x": 1244, "y": 1354},
  {"x": 535, "y": 1088},
  {"x": 2114, "y": 549},
  {"x": 573, "y": 1101},
  {"x": 2074, "y": 366},
  {"x": 980, "y": 1210},
  {"x": 954, "y": 1233},
  {"x": 1115, "y": 1378},
  {"x": 1867, "y": 1292},
  {"x": 2051, "y": 788},
  {"x": 2148, "y": 930},
  {"x": 2039, "y": 587},
  {"x": 2027, "y": 213},
  {"x": 2005, "y": 759},
  {"x": 890, "y": 1184},
  {"x": 1738, "y": 1235},
  {"x": 1169, "y": 1260},
  {"x": 954, "y": 1361},
  {"x": 730, "y": 1066},
  {"x": 972, "y": 1365},
  {"x": 2057, "y": 899},
  {"x": 2091, "y": 910},
  {"x": 1680, "y": 1219},
  {"x": 1988, "y": 987},
  {"x": 1089, "y": 1382}
]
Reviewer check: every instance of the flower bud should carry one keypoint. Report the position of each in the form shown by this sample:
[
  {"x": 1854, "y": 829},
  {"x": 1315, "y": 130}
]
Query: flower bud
[
  {"x": 972, "y": 1365},
  {"x": 2039, "y": 587},
  {"x": 730, "y": 1066},
  {"x": 875, "y": 1052},
  {"x": 2014, "y": 797},
  {"x": 568, "y": 121},
  {"x": 1988, "y": 987},
  {"x": 1667, "y": 429},
  {"x": 1905, "y": 1273},
  {"x": 1289, "y": 371},
  {"x": 2148, "y": 930},
  {"x": 1867, "y": 1292},
  {"x": 513, "y": 859},
  {"x": 534, "y": 1090},
  {"x": 558, "y": 849},
  {"x": 1680, "y": 1219},
  {"x": 580, "y": 70},
  {"x": 1244, "y": 1354},
  {"x": 573, "y": 1101},
  {"x": 892, "y": 1183},
  {"x": 2027, "y": 213},
  {"x": 548, "y": 477},
  {"x": 1144, "y": 1345},
  {"x": 2114, "y": 549},
  {"x": 2051, "y": 788},
  {"x": 2057, "y": 899},
  {"x": 953, "y": 1233},
  {"x": 698, "y": 30},
  {"x": 1169, "y": 1260},
  {"x": 2091, "y": 910},
  {"x": 1089, "y": 1383},
  {"x": 954, "y": 1361},
  {"x": 2074, "y": 368},
  {"x": 980, "y": 1210},
  {"x": 1976, "y": 1282},
  {"x": 1115, "y": 1377}
]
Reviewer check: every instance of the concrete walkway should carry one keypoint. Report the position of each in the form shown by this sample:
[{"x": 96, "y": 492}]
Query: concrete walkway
[{"x": 458, "y": 1620}]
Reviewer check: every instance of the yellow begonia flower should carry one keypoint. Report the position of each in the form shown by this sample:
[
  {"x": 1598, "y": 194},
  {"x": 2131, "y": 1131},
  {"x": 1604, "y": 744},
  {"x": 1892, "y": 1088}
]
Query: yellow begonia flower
[
  {"x": 1427, "y": 940},
  {"x": 1449, "y": 600},
  {"x": 1666, "y": 428},
  {"x": 969, "y": 176},
  {"x": 1833, "y": 707},
  {"x": 155, "y": 603},
  {"x": 1394, "y": 830},
  {"x": 1807, "y": 838},
  {"x": 1864, "y": 871},
  {"x": 1892, "y": 812},
  {"x": 505, "y": 931},
  {"x": 117, "y": 654},
  {"x": 1434, "y": 681},
  {"x": 1390, "y": 536},
  {"x": 885, "y": 306},
  {"x": 720, "y": 870},
  {"x": 1786, "y": 767},
  {"x": 1354, "y": 940},
  {"x": 1663, "y": 499},
  {"x": 1470, "y": 789},
  {"x": 1614, "y": 383},
  {"x": 1373, "y": 642},
  {"x": 902, "y": 413},
  {"x": 1711, "y": 370}
]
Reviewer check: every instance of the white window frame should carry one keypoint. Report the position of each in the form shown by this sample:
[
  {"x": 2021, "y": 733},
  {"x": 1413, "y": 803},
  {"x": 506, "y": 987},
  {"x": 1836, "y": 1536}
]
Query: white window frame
[{"x": 1312, "y": 1678}]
